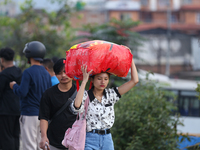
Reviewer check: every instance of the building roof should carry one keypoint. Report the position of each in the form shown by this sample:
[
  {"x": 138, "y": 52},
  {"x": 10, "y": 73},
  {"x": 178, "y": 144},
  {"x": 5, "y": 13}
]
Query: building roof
[
  {"x": 190, "y": 7},
  {"x": 122, "y": 5},
  {"x": 192, "y": 29}
]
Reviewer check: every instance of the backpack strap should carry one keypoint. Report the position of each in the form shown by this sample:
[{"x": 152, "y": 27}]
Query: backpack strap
[{"x": 69, "y": 101}]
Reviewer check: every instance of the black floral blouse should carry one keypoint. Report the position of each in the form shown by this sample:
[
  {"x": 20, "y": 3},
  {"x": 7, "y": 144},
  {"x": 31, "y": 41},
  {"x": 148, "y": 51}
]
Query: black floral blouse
[{"x": 100, "y": 115}]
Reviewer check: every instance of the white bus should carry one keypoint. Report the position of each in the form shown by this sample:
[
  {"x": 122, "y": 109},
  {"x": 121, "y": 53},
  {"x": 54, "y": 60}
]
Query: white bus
[{"x": 187, "y": 100}]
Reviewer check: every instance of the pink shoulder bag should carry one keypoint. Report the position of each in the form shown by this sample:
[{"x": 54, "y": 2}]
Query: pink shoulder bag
[{"x": 74, "y": 138}]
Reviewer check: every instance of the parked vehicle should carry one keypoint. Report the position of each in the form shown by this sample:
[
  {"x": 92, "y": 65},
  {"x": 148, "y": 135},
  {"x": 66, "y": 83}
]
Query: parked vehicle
[{"x": 186, "y": 100}]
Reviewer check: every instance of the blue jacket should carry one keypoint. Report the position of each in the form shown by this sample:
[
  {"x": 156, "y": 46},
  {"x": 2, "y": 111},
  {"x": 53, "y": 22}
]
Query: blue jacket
[
  {"x": 35, "y": 80},
  {"x": 54, "y": 80}
]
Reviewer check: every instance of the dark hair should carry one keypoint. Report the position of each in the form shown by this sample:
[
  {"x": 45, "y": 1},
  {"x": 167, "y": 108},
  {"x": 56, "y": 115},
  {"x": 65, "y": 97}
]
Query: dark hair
[
  {"x": 99, "y": 73},
  {"x": 1, "y": 67},
  {"x": 59, "y": 65},
  {"x": 47, "y": 62},
  {"x": 54, "y": 59},
  {"x": 7, "y": 53}
]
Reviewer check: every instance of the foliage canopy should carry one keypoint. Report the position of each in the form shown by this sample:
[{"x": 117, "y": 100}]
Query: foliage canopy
[
  {"x": 53, "y": 29},
  {"x": 145, "y": 120}
]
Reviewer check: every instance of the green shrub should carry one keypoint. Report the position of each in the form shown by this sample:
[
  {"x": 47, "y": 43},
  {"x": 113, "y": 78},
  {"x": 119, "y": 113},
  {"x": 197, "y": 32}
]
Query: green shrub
[
  {"x": 198, "y": 91},
  {"x": 194, "y": 147},
  {"x": 144, "y": 120}
]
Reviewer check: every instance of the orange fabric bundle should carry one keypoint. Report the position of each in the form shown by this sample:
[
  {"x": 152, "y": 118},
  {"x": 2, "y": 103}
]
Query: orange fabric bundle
[{"x": 99, "y": 56}]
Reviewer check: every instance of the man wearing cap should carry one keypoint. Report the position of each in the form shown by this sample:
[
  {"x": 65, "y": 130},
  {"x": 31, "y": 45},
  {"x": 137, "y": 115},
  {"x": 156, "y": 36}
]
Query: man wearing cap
[{"x": 35, "y": 80}]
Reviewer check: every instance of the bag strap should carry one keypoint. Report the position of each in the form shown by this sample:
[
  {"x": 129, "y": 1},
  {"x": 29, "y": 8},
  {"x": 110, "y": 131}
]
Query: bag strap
[
  {"x": 64, "y": 106},
  {"x": 85, "y": 108},
  {"x": 86, "y": 104}
]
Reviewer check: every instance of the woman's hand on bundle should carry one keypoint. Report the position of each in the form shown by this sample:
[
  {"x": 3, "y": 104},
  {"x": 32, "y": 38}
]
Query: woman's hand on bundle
[{"x": 85, "y": 73}]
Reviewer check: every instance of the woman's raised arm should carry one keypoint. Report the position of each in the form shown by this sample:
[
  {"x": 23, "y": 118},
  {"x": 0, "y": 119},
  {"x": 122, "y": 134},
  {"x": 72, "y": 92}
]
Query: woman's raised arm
[
  {"x": 130, "y": 84},
  {"x": 79, "y": 96}
]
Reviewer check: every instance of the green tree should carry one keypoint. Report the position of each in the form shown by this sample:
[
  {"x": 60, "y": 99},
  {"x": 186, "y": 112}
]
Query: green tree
[
  {"x": 198, "y": 90},
  {"x": 51, "y": 28},
  {"x": 119, "y": 32},
  {"x": 145, "y": 120}
]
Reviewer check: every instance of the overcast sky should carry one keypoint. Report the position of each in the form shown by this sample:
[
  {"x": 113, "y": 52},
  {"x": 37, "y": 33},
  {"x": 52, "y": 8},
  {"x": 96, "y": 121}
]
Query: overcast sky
[
  {"x": 42, "y": 4},
  {"x": 45, "y": 4}
]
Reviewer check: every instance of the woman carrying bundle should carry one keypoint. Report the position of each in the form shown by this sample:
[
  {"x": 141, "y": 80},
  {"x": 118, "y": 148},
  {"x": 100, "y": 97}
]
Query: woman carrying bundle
[{"x": 100, "y": 115}]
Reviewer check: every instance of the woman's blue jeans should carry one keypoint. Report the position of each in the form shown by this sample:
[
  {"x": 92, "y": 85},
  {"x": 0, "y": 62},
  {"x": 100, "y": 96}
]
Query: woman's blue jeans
[{"x": 96, "y": 141}]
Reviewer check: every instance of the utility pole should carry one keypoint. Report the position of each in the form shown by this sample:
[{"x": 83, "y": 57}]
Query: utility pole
[{"x": 167, "y": 70}]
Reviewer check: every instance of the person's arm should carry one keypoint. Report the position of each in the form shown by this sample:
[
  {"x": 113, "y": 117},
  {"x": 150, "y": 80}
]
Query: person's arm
[
  {"x": 44, "y": 116},
  {"x": 79, "y": 96},
  {"x": 23, "y": 89},
  {"x": 130, "y": 84},
  {"x": 43, "y": 129}
]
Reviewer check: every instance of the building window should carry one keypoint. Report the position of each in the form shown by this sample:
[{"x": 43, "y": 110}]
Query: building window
[
  {"x": 125, "y": 16},
  {"x": 188, "y": 103},
  {"x": 163, "y": 2},
  {"x": 187, "y": 1},
  {"x": 198, "y": 17},
  {"x": 144, "y": 2},
  {"x": 146, "y": 16},
  {"x": 174, "y": 18},
  {"x": 4, "y": 13}
]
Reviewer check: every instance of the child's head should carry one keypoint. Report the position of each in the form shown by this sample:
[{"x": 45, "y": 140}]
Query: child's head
[{"x": 100, "y": 81}]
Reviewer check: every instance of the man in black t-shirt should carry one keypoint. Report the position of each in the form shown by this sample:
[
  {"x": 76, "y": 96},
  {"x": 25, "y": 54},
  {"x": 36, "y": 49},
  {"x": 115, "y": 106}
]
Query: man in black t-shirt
[
  {"x": 9, "y": 102},
  {"x": 52, "y": 100}
]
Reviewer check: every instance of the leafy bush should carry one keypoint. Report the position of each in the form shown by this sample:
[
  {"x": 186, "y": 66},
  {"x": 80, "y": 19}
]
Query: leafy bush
[
  {"x": 144, "y": 120},
  {"x": 198, "y": 91},
  {"x": 195, "y": 147}
]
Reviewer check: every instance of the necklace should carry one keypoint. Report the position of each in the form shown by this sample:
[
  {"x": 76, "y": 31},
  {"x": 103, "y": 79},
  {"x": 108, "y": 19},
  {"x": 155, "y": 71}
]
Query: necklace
[{"x": 99, "y": 98}]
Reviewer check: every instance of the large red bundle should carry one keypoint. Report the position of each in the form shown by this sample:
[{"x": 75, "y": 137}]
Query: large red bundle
[{"x": 99, "y": 56}]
